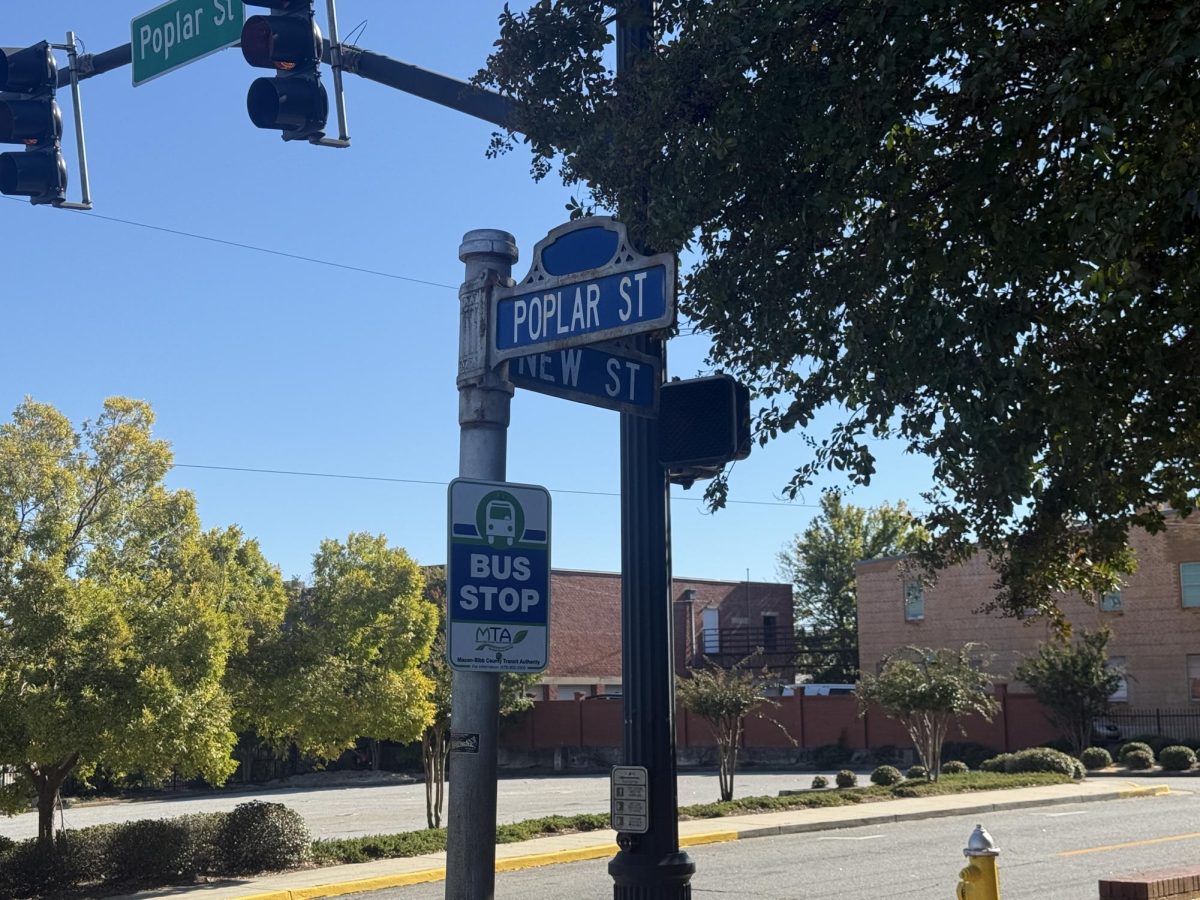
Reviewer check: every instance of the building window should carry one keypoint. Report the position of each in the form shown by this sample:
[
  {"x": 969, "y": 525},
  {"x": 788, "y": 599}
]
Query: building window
[
  {"x": 709, "y": 622},
  {"x": 770, "y": 631},
  {"x": 1110, "y": 602},
  {"x": 1189, "y": 583},
  {"x": 1121, "y": 694},
  {"x": 1193, "y": 663},
  {"x": 914, "y": 601}
]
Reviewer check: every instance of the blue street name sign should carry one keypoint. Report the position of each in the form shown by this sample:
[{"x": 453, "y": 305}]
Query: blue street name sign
[
  {"x": 604, "y": 375},
  {"x": 585, "y": 286},
  {"x": 498, "y": 577}
]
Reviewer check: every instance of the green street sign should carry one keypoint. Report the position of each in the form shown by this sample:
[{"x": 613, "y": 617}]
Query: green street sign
[{"x": 180, "y": 32}]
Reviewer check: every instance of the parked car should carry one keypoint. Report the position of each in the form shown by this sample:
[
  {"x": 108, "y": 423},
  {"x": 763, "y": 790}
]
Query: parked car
[{"x": 1105, "y": 732}]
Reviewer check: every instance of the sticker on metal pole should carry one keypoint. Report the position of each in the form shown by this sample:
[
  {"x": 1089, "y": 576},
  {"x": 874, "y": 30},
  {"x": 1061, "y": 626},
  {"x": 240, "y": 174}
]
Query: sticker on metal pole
[
  {"x": 630, "y": 811},
  {"x": 498, "y": 577}
]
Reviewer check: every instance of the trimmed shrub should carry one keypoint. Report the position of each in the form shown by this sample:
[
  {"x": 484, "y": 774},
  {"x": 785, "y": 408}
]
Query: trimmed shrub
[
  {"x": 917, "y": 772},
  {"x": 998, "y": 763},
  {"x": 1095, "y": 758},
  {"x": 845, "y": 779},
  {"x": 261, "y": 837},
  {"x": 819, "y": 781},
  {"x": 955, "y": 767},
  {"x": 163, "y": 850},
  {"x": 970, "y": 752},
  {"x": 886, "y": 775},
  {"x": 1156, "y": 742},
  {"x": 1044, "y": 759},
  {"x": 1177, "y": 758},
  {"x": 1134, "y": 747},
  {"x": 1138, "y": 760}
]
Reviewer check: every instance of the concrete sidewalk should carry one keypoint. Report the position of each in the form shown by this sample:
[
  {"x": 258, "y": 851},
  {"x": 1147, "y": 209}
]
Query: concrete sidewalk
[{"x": 333, "y": 881}]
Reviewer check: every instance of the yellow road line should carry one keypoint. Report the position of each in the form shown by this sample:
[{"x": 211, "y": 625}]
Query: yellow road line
[{"x": 1162, "y": 840}]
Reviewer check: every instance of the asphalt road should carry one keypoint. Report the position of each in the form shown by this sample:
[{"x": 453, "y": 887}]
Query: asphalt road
[
  {"x": 1051, "y": 853},
  {"x": 365, "y": 805}
]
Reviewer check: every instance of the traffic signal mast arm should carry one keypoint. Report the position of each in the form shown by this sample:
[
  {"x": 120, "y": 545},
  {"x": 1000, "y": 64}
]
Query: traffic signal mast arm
[{"x": 454, "y": 93}]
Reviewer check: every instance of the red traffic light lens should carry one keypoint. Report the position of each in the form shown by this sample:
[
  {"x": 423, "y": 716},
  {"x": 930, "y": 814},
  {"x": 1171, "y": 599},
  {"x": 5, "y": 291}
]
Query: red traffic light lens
[
  {"x": 278, "y": 42},
  {"x": 28, "y": 71}
]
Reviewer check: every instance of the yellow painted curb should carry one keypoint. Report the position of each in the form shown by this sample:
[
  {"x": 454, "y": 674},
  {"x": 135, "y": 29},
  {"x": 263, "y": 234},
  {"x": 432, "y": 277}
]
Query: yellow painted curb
[
  {"x": 711, "y": 837},
  {"x": 1153, "y": 790},
  {"x": 337, "y": 888},
  {"x": 545, "y": 859}
]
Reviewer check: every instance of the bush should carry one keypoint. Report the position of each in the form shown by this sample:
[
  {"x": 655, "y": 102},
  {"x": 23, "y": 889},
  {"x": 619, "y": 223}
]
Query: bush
[
  {"x": 917, "y": 772},
  {"x": 998, "y": 763},
  {"x": 845, "y": 779},
  {"x": 260, "y": 837},
  {"x": 1135, "y": 747},
  {"x": 1044, "y": 759},
  {"x": 829, "y": 756},
  {"x": 1138, "y": 760},
  {"x": 970, "y": 752},
  {"x": 1177, "y": 758},
  {"x": 955, "y": 767},
  {"x": 1095, "y": 758},
  {"x": 820, "y": 781},
  {"x": 1156, "y": 742},
  {"x": 160, "y": 851},
  {"x": 886, "y": 775}
]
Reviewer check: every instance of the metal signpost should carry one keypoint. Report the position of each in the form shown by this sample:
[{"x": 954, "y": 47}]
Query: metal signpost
[
  {"x": 180, "y": 32},
  {"x": 498, "y": 577}
]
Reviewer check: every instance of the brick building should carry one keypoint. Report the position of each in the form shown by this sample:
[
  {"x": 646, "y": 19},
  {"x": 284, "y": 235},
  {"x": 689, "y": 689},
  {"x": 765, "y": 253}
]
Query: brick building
[
  {"x": 1155, "y": 617},
  {"x": 721, "y": 620}
]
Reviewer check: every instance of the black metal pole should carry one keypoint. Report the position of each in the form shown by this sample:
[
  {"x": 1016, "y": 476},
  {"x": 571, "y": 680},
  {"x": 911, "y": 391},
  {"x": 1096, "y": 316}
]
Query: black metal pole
[{"x": 648, "y": 866}]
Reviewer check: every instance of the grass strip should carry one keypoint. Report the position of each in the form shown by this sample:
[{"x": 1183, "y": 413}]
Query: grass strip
[{"x": 431, "y": 840}]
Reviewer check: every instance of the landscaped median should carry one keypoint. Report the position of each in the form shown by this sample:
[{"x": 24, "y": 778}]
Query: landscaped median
[{"x": 189, "y": 850}]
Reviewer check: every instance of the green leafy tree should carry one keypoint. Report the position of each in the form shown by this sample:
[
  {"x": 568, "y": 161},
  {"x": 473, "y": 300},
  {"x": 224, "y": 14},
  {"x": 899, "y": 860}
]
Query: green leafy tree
[
  {"x": 820, "y": 564},
  {"x": 970, "y": 227},
  {"x": 435, "y": 739},
  {"x": 347, "y": 663},
  {"x": 927, "y": 691},
  {"x": 724, "y": 698},
  {"x": 116, "y": 620},
  {"x": 1073, "y": 681}
]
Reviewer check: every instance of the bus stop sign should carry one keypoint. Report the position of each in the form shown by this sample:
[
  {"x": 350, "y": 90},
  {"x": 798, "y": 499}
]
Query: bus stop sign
[{"x": 498, "y": 577}]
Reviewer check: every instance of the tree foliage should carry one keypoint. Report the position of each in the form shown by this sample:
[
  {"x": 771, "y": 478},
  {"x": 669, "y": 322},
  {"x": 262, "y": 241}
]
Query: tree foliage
[
  {"x": 970, "y": 227},
  {"x": 927, "y": 690},
  {"x": 723, "y": 698},
  {"x": 820, "y": 562},
  {"x": 117, "y": 615},
  {"x": 1073, "y": 681},
  {"x": 347, "y": 663}
]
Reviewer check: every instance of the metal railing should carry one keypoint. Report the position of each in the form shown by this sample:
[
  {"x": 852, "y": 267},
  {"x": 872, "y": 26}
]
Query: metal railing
[
  {"x": 824, "y": 658},
  {"x": 1182, "y": 724}
]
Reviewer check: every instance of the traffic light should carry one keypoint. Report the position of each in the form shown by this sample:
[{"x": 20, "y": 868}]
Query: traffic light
[
  {"x": 30, "y": 115},
  {"x": 703, "y": 423},
  {"x": 289, "y": 41}
]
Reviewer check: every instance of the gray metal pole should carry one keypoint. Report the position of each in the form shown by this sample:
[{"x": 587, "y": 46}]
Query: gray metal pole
[{"x": 483, "y": 413}]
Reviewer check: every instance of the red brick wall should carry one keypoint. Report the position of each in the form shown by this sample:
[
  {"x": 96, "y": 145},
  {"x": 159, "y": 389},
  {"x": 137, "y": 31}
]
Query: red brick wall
[{"x": 1153, "y": 631}]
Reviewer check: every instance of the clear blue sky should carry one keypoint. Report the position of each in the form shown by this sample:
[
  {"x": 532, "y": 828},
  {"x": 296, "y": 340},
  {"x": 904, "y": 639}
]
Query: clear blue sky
[{"x": 257, "y": 361}]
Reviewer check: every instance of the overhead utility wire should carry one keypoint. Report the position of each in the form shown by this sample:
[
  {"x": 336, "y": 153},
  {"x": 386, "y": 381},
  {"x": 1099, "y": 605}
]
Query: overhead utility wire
[{"x": 443, "y": 483}]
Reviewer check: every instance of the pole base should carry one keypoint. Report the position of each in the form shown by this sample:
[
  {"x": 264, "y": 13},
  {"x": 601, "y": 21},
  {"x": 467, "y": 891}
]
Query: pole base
[{"x": 637, "y": 878}]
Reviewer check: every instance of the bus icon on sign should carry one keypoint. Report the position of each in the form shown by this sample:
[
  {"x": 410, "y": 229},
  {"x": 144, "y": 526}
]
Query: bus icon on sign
[{"x": 500, "y": 522}]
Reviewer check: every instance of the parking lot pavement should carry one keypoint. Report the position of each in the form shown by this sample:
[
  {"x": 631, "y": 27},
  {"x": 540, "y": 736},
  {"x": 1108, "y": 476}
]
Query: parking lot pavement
[{"x": 375, "y": 803}]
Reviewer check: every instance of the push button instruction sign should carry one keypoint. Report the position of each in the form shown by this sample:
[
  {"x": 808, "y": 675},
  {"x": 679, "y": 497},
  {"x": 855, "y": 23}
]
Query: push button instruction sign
[
  {"x": 630, "y": 811},
  {"x": 498, "y": 577}
]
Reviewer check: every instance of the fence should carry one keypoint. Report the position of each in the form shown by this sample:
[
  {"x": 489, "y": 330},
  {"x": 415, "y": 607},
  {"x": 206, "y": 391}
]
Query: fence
[
  {"x": 792, "y": 725},
  {"x": 1181, "y": 724}
]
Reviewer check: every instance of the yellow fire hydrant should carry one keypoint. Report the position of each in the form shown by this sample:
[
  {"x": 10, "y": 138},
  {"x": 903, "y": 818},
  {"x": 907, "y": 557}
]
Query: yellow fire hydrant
[{"x": 980, "y": 880}]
